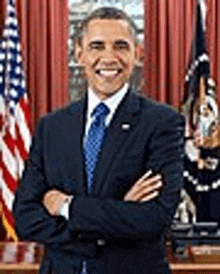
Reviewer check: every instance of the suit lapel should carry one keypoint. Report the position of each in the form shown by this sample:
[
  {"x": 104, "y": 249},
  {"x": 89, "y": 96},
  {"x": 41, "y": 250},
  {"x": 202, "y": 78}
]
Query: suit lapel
[
  {"x": 76, "y": 132},
  {"x": 124, "y": 120}
]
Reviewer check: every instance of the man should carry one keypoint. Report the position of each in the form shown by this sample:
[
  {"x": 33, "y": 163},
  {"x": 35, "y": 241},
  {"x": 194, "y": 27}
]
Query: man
[{"x": 91, "y": 191}]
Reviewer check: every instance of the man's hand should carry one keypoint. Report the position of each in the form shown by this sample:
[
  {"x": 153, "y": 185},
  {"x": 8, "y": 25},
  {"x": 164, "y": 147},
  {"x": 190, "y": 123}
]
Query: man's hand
[
  {"x": 52, "y": 201},
  {"x": 145, "y": 189}
]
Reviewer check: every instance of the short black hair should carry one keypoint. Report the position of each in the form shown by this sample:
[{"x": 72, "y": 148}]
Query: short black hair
[{"x": 105, "y": 13}]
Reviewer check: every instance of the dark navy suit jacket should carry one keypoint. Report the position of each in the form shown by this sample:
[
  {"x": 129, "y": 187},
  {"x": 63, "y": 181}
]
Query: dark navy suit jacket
[{"x": 113, "y": 236}]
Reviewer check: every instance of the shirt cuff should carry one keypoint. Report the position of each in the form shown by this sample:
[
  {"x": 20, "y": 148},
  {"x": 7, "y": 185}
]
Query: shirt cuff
[{"x": 64, "y": 208}]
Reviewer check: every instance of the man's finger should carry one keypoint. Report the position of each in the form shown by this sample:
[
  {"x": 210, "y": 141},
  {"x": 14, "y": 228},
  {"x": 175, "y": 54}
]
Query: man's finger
[
  {"x": 144, "y": 177},
  {"x": 149, "y": 197},
  {"x": 147, "y": 190},
  {"x": 147, "y": 183},
  {"x": 137, "y": 194},
  {"x": 144, "y": 185},
  {"x": 147, "y": 174},
  {"x": 152, "y": 188}
]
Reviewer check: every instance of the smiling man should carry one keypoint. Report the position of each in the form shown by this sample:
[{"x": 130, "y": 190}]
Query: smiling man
[
  {"x": 92, "y": 189},
  {"x": 108, "y": 54}
]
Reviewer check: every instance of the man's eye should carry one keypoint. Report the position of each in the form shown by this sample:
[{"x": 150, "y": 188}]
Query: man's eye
[
  {"x": 96, "y": 46},
  {"x": 122, "y": 46}
]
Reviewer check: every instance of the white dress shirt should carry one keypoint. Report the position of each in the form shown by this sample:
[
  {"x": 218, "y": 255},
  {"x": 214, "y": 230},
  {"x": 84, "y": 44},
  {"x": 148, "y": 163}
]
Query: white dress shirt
[{"x": 112, "y": 103}]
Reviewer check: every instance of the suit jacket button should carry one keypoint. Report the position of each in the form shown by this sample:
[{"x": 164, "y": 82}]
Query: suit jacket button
[
  {"x": 101, "y": 242},
  {"x": 79, "y": 236}
]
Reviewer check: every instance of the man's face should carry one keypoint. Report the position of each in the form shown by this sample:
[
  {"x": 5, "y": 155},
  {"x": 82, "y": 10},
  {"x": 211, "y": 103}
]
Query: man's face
[{"x": 108, "y": 54}]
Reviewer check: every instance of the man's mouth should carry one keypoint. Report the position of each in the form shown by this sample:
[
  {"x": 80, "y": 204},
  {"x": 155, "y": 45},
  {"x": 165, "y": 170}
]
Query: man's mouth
[{"x": 108, "y": 72}]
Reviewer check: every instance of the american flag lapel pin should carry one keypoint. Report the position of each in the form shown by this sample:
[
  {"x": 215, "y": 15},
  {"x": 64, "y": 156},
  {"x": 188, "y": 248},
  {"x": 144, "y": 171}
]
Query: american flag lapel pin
[{"x": 125, "y": 126}]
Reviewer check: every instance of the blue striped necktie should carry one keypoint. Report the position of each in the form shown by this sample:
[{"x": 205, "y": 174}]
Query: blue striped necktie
[{"x": 94, "y": 141}]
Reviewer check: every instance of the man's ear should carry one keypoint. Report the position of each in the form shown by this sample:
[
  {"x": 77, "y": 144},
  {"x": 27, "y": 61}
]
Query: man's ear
[
  {"x": 78, "y": 53},
  {"x": 138, "y": 53}
]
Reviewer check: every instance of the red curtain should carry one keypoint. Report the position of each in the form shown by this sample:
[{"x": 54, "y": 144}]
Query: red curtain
[
  {"x": 1, "y": 17},
  {"x": 44, "y": 34},
  {"x": 169, "y": 27}
]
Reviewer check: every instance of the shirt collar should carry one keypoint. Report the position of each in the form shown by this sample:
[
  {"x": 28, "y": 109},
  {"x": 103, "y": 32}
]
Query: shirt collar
[{"x": 112, "y": 102}]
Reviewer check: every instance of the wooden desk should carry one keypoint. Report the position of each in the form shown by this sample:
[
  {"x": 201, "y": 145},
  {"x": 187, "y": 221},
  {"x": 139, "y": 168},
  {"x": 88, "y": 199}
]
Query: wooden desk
[
  {"x": 20, "y": 268},
  {"x": 191, "y": 268},
  {"x": 176, "y": 268}
]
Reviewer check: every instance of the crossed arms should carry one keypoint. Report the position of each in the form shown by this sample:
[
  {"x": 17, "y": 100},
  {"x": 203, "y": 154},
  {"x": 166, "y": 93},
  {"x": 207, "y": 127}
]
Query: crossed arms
[
  {"x": 145, "y": 189},
  {"x": 138, "y": 215}
]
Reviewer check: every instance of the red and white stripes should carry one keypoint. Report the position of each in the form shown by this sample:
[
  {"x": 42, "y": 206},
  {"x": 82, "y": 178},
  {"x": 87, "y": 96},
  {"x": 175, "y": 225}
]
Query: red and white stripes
[
  {"x": 22, "y": 252},
  {"x": 16, "y": 140}
]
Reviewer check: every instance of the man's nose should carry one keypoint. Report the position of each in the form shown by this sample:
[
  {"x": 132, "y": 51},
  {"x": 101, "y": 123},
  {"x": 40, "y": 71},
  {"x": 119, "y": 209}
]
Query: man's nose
[{"x": 108, "y": 56}]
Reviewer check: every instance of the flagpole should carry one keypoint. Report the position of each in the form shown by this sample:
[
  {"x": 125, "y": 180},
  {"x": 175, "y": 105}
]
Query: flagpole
[{"x": 203, "y": 12}]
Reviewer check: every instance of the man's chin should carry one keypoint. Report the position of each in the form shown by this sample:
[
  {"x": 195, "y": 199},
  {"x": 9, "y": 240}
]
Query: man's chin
[{"x": 106, "y": 92}]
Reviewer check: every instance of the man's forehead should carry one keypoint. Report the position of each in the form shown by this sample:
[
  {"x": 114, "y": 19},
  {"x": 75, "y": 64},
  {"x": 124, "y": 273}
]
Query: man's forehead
[{"x": 113, "y": 27}]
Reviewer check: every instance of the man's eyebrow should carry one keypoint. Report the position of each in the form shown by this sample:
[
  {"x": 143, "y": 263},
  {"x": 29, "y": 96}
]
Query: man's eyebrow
[
  {"x": 96, "y": 42},
  {"x": 121, "y": 42}
]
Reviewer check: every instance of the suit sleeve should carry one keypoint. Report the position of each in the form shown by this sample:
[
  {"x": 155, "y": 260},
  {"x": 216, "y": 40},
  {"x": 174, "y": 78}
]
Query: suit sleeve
[
  {"x": 119, "y": 219},
  {"x": 31, "y": 218}
]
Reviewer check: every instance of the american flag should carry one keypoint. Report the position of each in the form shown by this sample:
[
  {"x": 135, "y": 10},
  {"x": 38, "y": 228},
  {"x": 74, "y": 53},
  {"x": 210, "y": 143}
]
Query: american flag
[{"x": 15, "y": 135}]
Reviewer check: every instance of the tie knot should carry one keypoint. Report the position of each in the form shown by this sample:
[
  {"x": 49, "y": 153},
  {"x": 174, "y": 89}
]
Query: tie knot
[{"x": 101, "y": 111}]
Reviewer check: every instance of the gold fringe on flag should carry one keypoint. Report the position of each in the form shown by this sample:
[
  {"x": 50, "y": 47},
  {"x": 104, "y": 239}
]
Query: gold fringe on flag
[{"x": 11, "y": 234}]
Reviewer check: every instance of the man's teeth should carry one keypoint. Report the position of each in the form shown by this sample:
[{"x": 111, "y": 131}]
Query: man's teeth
[{"x": 108, "y": 72}]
